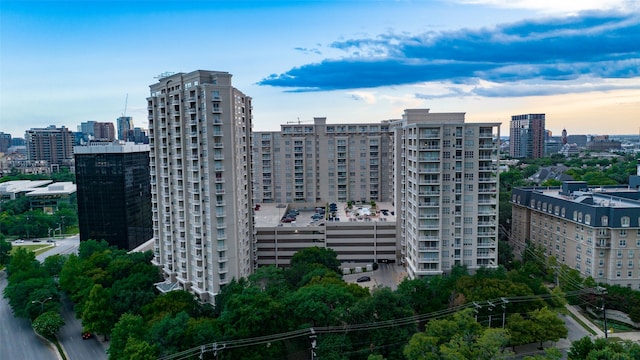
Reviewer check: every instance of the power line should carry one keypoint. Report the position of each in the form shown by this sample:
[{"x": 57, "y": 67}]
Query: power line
[{"x": 342, "y": 329}]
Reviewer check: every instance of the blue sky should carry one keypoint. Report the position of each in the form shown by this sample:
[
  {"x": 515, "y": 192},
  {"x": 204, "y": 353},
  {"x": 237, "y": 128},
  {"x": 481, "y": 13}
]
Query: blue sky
[{"x": 65, "y": 62}]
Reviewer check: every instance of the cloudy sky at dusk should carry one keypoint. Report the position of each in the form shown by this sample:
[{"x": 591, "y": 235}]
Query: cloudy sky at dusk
[{"x": 65, "y": 62}]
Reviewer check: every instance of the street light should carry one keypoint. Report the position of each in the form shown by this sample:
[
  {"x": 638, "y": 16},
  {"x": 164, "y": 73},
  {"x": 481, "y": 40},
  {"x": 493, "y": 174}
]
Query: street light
[{"x": 41, "y": 302}]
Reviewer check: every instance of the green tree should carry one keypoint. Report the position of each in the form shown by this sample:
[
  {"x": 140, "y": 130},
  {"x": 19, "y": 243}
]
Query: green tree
[
  {"x": 316, "y": 255},
  {"x": 382, "y": 305},
  {"x": 486, "y": 345},
  {"x": 97, "y": 314},
  {"x": 139, "y": 350},
  {"x": 5, "y": 251},
  {"x": 580, "y": 349},
  {"x": 48, "y": 324},
  {"x": 169, "y": 334},
  {"x": 505, "y": 254},
  {"x": 333, "y": 347},
  {"x": 171, "y": 303},
  {"x": 128, "y": 326},
  {"x": 320, "y": 304},
  {"x": 519, "y": 330},
  {"x": 547, "y": 326},
  {"x": 23, "y": 261},
  {"x": 549, "y": 354},
  {"x": 53, "y": 264},
  {"x": 422, "y": 347}
]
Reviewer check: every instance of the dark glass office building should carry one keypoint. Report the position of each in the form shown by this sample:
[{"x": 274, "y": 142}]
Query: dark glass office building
[{"x": 114, "y": 193}]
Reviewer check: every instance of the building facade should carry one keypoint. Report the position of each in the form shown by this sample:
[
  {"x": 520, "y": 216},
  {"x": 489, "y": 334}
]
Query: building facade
[
  {"x": 51, "y": 144},
  {"x": 358, "y": 237},
  {"x": 200, "y": 139},
  {"x": 114, "y": 193},
  {"x": 124, "y": 124},
  {"x": 595, "y": 230},
  {"x": 527, "y": 136},
  {"x": 5, "y": 142},
  {"x": 446, "y": 191},
  {"x": 320, "y": 162}
]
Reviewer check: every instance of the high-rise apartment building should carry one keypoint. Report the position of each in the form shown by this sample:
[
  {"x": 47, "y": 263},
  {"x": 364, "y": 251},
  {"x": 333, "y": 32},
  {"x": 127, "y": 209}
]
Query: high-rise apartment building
[
  {"x": 5, "y": 142},
  {"x": 593, "y": 230},
  {"x": 94, "y": 130},
  {"x": 124, "y": 124},
  {"x": 200, "y": 139},
  {"x": 51, "y": 144},
  {"x": 527, "y": 136},
  {"x": 114, "y": 193},
  {"x": 446, "y": 192},
  {"x": 320, "y": 162},
  {"x": 104, "y": 131}
]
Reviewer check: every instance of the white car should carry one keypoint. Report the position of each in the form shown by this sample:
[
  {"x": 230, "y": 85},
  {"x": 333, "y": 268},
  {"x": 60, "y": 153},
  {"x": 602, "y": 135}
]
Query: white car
[{"x": 19, "y": 241}]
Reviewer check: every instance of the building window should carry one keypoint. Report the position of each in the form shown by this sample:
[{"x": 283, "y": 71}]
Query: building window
[
  {"x": 587, "y": 219},
  {"x": 623, "y": 242},
  {"x": 605, "y": 221},
  {"x": 623, "y": 232},
  {"x": 575, "y": 215},
  {"x": 624, "y": 221},
  {"x": 562, "y": 213}
]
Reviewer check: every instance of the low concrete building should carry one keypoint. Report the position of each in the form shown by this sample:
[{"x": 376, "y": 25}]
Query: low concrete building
[
  {"x": 361, "y": 235},
  {"x": 48, "y": 199}
]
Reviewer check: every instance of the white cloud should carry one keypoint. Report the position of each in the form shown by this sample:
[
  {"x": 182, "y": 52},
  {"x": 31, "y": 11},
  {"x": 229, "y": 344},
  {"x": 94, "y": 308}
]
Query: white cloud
[
  {"x": 366, "y": 96},
  {"x": 555, "y": 6}
]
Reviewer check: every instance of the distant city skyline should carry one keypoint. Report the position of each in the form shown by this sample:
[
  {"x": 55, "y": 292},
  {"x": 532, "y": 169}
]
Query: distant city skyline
[{"x": 349, "y": 61}]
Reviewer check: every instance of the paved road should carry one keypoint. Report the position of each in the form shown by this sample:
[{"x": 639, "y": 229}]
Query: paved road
[
  {"x": 70, "y": 335},
  {"x": 17, "y": 339},
  {"x": 67, "y": 245}
]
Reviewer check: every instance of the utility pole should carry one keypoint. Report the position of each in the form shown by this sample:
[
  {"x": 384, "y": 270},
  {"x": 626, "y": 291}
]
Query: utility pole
[
  {"x": 490, "y": 311},
  {"x": 504, "y": 310},
  {"x": 313, "y": 344},
  {"x": 602, "y": 292},
  {"x": 476, "y": 310}
]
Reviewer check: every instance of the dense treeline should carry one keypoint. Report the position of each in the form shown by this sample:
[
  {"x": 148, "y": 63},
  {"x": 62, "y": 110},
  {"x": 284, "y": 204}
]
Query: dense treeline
[
  {"x": 445, "y": 316},
  {"x": 115, "y": 296}
]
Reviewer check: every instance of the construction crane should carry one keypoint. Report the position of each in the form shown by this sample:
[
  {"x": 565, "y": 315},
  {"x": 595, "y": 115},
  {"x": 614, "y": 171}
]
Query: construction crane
[
  {"x": 297, "y": 122},
  {"x": 126, "y": 100}
]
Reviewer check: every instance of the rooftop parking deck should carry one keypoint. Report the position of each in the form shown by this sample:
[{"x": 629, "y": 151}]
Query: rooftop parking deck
[{"x": 271, "y": 215}]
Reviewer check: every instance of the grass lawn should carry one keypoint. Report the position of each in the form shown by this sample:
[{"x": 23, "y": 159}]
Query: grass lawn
[{"x": 37, "y": 248}]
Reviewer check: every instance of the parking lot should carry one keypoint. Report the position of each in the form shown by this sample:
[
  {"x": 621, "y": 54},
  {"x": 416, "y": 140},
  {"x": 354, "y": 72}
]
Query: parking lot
[{"x": 387, "y": 275}]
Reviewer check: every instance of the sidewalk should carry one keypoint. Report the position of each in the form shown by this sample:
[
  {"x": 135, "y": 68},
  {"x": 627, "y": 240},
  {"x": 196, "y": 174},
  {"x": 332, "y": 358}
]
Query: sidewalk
[
  {"x": 575, "y": 312},
  {"x": 626, "y": 335}
]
